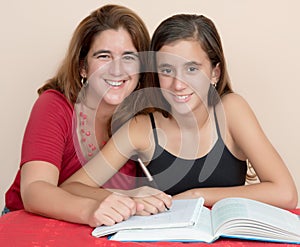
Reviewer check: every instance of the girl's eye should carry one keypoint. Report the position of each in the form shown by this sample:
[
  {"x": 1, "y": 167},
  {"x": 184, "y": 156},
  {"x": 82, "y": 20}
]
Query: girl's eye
[
  {"x": 192, "y": 69},
  {"x": 166, "y": 71}
]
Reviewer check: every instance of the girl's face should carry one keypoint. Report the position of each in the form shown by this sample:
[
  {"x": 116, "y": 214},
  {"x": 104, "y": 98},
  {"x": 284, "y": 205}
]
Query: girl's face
[
  {"x": 185, "y": 74},
  {"x": 112, "y": 66}
]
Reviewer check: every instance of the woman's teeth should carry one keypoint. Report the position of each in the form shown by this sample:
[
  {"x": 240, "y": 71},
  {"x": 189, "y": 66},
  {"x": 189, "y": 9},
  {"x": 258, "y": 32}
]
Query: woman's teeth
[{"x": 114, "y": 83}]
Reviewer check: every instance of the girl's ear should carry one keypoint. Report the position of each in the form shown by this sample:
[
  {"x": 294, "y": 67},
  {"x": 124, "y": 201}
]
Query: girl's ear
[{"x": 216, "y": 72}]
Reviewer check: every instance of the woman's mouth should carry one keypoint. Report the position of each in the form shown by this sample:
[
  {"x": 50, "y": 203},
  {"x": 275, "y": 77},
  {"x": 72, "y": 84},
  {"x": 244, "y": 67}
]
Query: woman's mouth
[{"x": 113, "y": 83}]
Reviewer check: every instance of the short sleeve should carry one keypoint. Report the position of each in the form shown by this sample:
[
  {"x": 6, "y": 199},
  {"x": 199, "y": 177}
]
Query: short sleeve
[{"x": 48, "y": 129}]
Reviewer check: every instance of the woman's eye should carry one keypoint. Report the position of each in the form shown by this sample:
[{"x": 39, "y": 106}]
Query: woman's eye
[
  {"x": 104, "y": 57},
  {"x": 128, "y": 58}
]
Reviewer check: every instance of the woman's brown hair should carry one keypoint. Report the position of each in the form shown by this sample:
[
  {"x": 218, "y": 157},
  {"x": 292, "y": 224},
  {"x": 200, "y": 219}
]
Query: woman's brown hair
[{"x": 67, "y": 80}]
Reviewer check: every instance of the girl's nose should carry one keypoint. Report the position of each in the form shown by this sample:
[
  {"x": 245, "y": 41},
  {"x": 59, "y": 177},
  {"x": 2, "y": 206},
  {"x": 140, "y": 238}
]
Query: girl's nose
[{"x": 179, "y": 84}]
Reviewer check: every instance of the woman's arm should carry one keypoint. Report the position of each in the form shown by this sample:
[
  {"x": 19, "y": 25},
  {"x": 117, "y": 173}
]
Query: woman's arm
[
  {"x": 41, "y": 195},
  {"x": 276, "y": 184},
  {"x": 46, "y": 138},
  {"x": 126, "y": 142}
]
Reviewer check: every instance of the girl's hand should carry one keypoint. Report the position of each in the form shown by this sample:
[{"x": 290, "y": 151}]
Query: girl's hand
[{"x": 153, "y": 201}]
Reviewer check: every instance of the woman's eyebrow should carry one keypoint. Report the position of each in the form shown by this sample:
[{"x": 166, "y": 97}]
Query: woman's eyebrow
[
  {"x": 96, "y": 53},
  {"x": 131, "y": 53}
]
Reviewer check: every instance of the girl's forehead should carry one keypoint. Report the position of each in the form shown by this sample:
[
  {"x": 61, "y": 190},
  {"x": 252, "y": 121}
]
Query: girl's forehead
[{"x": 182, "y": 52}]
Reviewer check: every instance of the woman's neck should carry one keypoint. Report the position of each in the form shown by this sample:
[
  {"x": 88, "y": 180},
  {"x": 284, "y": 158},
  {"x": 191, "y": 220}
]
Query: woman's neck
[
  {"x": 102, "y": 120},
  {"x": 104, "y": 112}
]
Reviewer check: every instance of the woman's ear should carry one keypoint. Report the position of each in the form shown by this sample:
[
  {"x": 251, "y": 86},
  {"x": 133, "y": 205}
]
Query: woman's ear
[
  {"x": 83, "y": 73},
  {"x": 83, "y": 70},
  {"x": 216, "y": 72}
]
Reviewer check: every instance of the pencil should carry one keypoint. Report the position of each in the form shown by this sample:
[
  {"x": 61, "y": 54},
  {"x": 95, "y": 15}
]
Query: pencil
[
  {"x": 145, "y": 170},
  {"x": 149, "y": 176}
]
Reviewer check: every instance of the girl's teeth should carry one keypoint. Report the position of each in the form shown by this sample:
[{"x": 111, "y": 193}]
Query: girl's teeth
[{"x": 182, "y": 97}]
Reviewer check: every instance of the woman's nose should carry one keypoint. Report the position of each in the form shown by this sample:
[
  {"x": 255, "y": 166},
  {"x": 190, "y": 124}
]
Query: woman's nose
[{"x": 115, "y": 67}]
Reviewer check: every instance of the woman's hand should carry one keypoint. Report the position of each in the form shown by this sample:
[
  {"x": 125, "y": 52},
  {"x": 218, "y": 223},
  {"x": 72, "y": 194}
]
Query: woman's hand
[{"x": 113, "y": 209}]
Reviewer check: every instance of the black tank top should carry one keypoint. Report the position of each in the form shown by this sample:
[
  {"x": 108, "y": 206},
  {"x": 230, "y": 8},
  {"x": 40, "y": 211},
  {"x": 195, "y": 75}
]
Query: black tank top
[{"x": 218, "y": 168}]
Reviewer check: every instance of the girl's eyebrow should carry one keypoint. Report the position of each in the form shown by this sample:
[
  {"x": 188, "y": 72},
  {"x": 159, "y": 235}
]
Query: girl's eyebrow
[
  {"x": 192, "y": 63},
  {"x": 164, "y": 65},
  {"x": 185, "y": 64}
]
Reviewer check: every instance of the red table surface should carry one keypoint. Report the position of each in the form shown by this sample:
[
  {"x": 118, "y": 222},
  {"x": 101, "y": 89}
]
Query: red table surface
[{"x": 20, "y": 228}]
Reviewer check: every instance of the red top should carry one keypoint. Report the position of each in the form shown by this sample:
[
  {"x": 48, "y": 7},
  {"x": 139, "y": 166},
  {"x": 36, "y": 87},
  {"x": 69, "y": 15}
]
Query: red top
[{"x": 48, "y": 137}]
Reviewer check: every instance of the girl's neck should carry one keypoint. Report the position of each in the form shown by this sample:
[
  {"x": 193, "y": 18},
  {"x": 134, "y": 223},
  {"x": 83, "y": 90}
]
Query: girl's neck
[
  {"x": 193, "y": 129},
  {"x": 192, "y": 120}
]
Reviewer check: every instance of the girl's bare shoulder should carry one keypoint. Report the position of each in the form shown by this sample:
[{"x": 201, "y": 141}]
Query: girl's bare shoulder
[
  {"x": 140, "y": 121},
  {"x": 235, "y": 105}
]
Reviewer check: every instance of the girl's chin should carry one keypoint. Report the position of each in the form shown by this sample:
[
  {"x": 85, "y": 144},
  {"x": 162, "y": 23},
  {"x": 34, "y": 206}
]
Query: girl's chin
[{"x": 181, "y": 109}]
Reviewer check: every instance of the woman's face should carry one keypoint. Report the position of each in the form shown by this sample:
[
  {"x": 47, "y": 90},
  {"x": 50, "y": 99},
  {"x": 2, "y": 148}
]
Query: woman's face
[
  {"x": 185, "y": 74},
  {"x": 112, "y": 66}
]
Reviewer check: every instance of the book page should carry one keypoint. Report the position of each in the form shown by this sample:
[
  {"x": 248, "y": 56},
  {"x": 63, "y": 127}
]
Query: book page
[
  {"x": 182, "y": 213},
  {"x": 243, "y": 212},
  {"x": 204, "y": 227},
  {"x": 201, "y": 231}
]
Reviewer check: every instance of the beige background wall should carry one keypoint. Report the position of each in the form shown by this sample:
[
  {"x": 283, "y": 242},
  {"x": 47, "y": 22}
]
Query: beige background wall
[{"x": 261, "y": 41}]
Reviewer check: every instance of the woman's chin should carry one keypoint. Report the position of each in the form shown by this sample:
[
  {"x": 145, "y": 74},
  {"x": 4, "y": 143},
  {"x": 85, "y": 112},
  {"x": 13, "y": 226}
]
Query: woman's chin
[{"x": 113, "y": 99}]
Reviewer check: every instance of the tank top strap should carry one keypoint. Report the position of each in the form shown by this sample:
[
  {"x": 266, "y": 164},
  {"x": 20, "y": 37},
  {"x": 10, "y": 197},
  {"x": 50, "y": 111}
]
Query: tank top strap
[
  {"x": 153, "y": 127},
  {"x": 217, "y": 123}
]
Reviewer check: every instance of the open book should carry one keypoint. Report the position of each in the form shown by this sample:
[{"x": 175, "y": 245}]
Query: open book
[
  {"x": 182, "y": 213},
  {"x": 230, "y": 217}
]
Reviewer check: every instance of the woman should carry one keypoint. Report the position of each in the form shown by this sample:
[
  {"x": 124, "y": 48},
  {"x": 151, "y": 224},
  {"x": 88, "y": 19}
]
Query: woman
[
  {"x": 109, "y": 34},
  {"x": 204, "y": 136}
]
